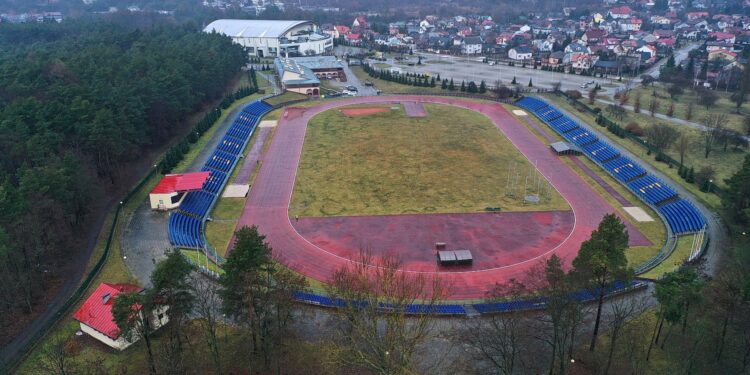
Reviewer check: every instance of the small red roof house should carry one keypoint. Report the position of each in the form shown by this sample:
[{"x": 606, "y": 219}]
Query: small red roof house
[
  {"x": 170, "y": 191},
  {"x": 340, "y": 30},
  {"x": 95, "y": 315},
  {"x": 722, "y": 37},
  {"x": 620, "y": 12}
]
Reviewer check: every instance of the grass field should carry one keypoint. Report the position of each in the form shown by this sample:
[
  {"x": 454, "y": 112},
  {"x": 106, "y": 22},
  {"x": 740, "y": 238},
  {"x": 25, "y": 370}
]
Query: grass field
[
  {"x": 453, "y": 160},
  {"x": 735, "y": 121}
]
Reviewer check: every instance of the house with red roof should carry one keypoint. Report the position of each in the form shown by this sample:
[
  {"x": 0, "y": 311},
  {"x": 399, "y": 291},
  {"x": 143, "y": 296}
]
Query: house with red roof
[
  {"x": 97, "y": 321},
  {"x": 172, "y": 189},
  {"x": 622, "y": 12},
  {"x": 722, "y": 37}
]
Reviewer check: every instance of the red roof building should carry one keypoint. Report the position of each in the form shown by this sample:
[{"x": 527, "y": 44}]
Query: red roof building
[
  {"x": 177, "y": 183},
  {"x": 170, "y": 191},
  {"x": 95, "y": 315},
  {"x": 96, "y": 312}
]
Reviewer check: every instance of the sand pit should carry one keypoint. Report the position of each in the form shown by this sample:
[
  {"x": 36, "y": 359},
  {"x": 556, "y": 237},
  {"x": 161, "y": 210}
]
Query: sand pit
[{"x": 359, "y": 112}]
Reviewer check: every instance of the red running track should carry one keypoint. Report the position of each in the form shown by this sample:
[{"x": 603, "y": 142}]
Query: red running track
[{"x": 305, "y": 251}]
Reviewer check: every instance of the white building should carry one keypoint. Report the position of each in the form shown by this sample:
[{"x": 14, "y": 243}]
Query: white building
[
  {"x": 268, "y": 38},
  {"x": 97, "y": 321}
]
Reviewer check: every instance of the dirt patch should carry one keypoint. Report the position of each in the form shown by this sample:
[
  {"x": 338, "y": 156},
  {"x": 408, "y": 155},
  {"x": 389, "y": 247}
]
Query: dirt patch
[{"x": 360, "y": 112}]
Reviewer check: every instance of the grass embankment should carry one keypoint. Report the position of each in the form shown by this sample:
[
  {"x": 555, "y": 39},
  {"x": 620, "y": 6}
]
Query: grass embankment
[
  {"x": 724, "y": 163},
  {"x": 735, "y": 121},
  {"x": 655, "y": 231},
  {"x": 453, "y": 160},
  {"x": 285, "y": 97},
  {"x": 675, "y": 260},
  {"x": 224, "y": 220}
]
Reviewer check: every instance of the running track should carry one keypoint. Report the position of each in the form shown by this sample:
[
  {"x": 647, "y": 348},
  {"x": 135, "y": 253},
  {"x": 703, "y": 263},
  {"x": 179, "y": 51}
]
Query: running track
[{"x": 267, "y": 205}]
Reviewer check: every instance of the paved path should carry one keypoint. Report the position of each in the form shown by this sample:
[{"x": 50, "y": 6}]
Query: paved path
[
  {"x": 268, "y": 202},
  {"x": 253, "y": 157}
]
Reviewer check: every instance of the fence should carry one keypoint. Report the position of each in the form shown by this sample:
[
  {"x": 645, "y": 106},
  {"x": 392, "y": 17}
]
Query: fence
[{"x": 606, "y": 122}]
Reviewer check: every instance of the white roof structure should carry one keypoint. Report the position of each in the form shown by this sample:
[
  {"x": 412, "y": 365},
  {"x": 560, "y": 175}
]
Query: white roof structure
[{"x": 252, "y": 28}]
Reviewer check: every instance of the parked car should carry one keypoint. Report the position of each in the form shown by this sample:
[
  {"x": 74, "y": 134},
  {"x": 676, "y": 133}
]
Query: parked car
[
  {"x": 368, "y": 83},
  {"x": 585, "y": 85},
  {"x": 349, "y": 93},
  {"x": 352, "y": 88}
]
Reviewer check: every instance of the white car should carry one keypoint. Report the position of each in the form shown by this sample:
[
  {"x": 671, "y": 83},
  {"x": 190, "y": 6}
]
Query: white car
[{"x": 349, "y": 93}]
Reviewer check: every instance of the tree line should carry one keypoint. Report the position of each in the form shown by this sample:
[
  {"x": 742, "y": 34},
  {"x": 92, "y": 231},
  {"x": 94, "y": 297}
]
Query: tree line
[{"x": 78, "y": 101}]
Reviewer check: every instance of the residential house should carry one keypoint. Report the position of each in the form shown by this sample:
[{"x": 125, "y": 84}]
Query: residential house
[
  {"x": 621, "y": 12},
  {"x": 96, "y": 319},
  {"x": 471, "y": 45},
  {"x": 593, "y": 36},
  {"x": 520, "y": 53},
  {"x": 722, "y": 54}
]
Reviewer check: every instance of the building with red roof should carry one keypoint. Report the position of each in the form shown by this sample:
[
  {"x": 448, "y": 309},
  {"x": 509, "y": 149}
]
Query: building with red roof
[
  {"x": 170, "y": 191},
  {"x": 95, "y": 315}
]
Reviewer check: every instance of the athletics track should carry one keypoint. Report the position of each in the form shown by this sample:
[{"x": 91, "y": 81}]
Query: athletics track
[{"x": 316, "y": 247}]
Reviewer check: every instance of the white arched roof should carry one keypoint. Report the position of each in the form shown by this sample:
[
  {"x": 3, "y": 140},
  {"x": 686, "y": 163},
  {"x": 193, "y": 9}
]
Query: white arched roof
[{"x": 252, "y": 28}]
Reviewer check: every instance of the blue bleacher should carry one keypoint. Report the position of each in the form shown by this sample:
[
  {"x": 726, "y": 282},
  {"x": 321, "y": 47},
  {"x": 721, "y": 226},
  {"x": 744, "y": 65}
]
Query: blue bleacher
[
  {"x": 624, "y": 169},
  {"x": 221, "y": 161},
  {"x": 682, "y": 217},
  {"x": 230, "y": 145},
  {"x": 184, "y": 225},
  {"x": 652, "y": 190},
  {"x": 197, "y": 203},
  {"x": 601, "y": 151}
]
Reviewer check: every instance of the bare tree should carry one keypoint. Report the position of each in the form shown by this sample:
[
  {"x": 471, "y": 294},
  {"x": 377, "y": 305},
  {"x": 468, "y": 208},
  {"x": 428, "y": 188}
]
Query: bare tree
[
  {"x": 503, "y": 340},
  {"x": 714, "y": 124},
  {"x": 373, "y": 328},
  {"x": 689, "y": 111},
  {"x": 683, "y": 144},
  {"x": 653, "y": 106},
  {"x": 637, "y": 103},
  {"x": 53, "y": 358},
  {"x": 621, "y": 311},
  {"x": 207, "y": 308},
  {"x": 661, "y": 136}
]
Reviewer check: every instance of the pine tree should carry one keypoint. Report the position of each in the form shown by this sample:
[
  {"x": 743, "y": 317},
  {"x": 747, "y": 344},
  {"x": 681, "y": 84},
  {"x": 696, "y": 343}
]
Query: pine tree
[
  {"x": 463, "y": 86},
  {"x": 451, "y": 86},
  {"x": 513, "y": 82},
  {"x": 530, "y": 83},
  {"x": 482, "y": 87},
  {"x": 444, "y": 85}
]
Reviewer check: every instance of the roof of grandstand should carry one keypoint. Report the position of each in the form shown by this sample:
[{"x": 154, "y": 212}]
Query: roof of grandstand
[
  {"x": 174, "y": 183},
  {"x": 252, "y": 28}
]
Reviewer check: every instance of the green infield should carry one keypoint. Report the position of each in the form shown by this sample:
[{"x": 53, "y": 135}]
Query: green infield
[{"x": 451, "y": 161}]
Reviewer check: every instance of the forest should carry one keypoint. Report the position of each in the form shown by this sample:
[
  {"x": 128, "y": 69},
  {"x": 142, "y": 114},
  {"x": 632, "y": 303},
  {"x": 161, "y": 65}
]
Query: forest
[{"x": 78, "y": 102}]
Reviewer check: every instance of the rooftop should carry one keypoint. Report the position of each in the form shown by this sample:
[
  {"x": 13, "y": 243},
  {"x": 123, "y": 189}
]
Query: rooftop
[
  {"x": 252, "y": 28},
  {"x": 174, "y": 183},
  {"x": 96, "y": 312}
]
